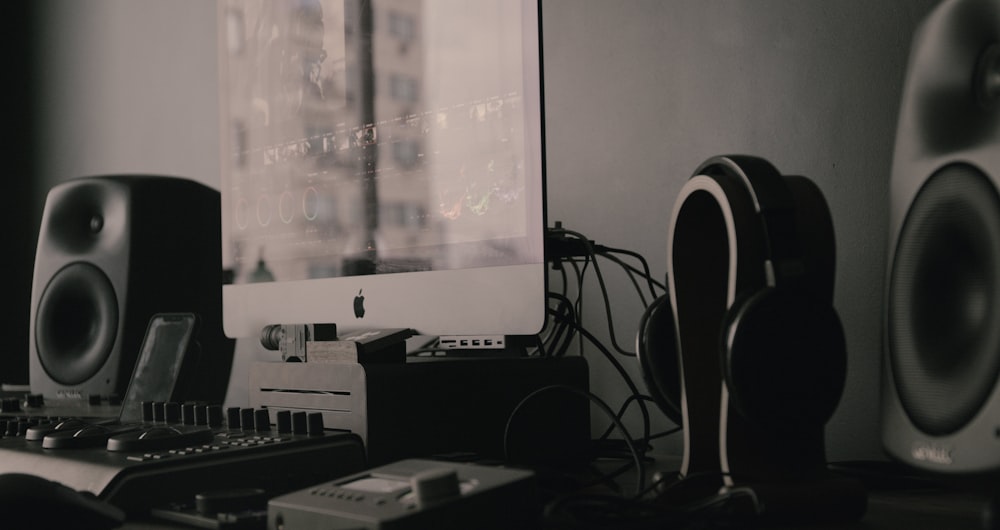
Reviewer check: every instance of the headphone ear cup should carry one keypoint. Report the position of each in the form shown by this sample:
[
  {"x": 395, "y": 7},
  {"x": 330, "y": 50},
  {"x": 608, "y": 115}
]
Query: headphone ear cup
[
  {"x": 659, "y": 362},
  {"x": 784, "y": 359}
]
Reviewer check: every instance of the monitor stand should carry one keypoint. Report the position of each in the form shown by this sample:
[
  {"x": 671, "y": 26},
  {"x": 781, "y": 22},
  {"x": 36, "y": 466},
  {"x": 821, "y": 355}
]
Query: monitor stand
[{"x": 322, "y": 343}]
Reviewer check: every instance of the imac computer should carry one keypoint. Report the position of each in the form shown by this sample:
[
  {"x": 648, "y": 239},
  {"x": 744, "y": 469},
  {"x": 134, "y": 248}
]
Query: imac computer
[
  {"x": 383, "y": 170},
  {"x": 383, "y": 165}
]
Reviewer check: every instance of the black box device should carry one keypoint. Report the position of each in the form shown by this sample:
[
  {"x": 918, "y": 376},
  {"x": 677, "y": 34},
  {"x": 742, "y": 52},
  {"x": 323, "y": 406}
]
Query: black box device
[{"x": 433, "y": 406}]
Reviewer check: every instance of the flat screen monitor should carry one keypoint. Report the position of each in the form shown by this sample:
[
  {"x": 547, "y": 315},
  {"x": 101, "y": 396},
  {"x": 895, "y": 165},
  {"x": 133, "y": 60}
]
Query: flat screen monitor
[{"x": 382, "y": 165}]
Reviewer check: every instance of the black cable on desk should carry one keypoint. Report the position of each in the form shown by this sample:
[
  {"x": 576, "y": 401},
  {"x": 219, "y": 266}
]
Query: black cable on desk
[
  {"x": 637, "y": 458},
  {"x": 621, "y": 370},
  {"x": 591, "y": 255}
]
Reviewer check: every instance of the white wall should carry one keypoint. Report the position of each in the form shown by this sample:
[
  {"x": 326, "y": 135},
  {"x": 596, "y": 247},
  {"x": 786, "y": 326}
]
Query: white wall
[
  {"x": 130, "y": 86},
  {"x": 639, "y": 92}
]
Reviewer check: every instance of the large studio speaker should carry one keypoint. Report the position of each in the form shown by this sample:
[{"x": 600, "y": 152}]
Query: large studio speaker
[
  {"x": 112, "y": 252},
  {"x": 941, "y": 388}
]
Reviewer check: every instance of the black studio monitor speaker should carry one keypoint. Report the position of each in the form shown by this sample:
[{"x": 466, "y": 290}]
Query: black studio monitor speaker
[
  {"x": 941, "y": 318},
  {"x": 112, "y": 252}
]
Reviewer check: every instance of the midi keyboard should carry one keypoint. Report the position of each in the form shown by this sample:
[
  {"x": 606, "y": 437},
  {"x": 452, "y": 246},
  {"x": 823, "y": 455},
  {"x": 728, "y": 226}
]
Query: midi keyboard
[{"x": 179, "y": 451}]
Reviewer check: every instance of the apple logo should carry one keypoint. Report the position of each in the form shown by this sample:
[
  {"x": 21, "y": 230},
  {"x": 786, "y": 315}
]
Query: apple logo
[{"x": 359, "y": 305}]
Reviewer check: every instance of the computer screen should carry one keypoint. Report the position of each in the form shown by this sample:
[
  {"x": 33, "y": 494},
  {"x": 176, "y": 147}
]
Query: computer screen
[{"x": 382, "y": 165}]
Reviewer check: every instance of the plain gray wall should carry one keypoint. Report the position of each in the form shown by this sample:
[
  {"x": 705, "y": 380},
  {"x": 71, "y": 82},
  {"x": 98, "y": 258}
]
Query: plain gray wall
[{"x": 638, "y": 93}]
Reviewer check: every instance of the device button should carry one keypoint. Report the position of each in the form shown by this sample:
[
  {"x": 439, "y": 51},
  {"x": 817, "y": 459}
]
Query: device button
[
  {"x": 262, "y": 420},
  {"x": 315, "y": 423},
  {"x": 284, "y": 419},
  {"x": 214, "y": 415},
  {"x": 233, "y": 417},
  {"x": 172, "y": 412},
  {"x": 159, "y": 411},
  {"x": 299, "y": 422},
  {"x": 246, "y": 419},
  {"x": 435, "y": 485}
]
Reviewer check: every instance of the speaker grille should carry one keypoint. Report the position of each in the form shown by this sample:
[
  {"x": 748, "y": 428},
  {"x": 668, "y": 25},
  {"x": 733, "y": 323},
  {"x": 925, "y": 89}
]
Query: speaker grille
[{"x": 944, "y": 300}]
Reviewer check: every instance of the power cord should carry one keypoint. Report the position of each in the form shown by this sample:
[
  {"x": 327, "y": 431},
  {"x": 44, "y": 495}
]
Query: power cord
[{"x": 565, "y": 239}]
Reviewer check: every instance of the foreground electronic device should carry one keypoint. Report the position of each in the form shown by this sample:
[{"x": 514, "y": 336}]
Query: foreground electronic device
[
  {"x": 413, "y": 494},
  {"x": 196, "y": 452},
  {"x": 433, "y": 406}
]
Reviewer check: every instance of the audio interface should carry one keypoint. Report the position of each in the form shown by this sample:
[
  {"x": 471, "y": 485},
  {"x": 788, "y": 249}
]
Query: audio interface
[{"x": 413, "y": 494}]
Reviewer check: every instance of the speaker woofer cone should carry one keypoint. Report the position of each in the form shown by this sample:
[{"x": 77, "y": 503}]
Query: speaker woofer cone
[
  {"x": 944, "y": 300},
  {"x": 77, "y": 323}
]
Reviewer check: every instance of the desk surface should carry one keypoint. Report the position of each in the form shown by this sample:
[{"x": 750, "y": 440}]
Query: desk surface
[
  {"x": 886, "y": 511},
  {"x": 909, "y": 507},
  {"x": 896, "y": 505}
]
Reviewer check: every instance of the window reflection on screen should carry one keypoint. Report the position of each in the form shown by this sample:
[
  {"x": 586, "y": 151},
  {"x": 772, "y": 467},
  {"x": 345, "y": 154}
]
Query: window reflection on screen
[{"x": 372, "y": 137}]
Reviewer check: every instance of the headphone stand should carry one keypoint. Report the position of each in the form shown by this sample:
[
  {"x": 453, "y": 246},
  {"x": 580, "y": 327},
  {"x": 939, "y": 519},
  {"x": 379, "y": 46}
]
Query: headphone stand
[{"x": 761, "y": 351}]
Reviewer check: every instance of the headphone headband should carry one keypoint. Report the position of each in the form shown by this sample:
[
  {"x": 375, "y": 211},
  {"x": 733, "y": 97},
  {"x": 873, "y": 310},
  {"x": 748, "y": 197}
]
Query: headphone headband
[{"x": 774, "y": 204}]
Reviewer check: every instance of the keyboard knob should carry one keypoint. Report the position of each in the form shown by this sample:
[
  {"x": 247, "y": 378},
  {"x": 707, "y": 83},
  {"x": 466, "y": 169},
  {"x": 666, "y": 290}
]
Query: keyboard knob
[
  {"x": 284, "y": 422},
  {"x": 159, "y": 412},
  {"x": 172, "y": 412},
  {"x": 262, "y": 420},
  {"x": 201, "y": 415},
  {"x": 246, "y": 419},
  {"x": 22, "y": 427},
  {"x": 435, "y": 485},
  {"x": 315, "y": 423},
  {"x": 299, "y": 423},
  {"x": 233, "y": 417},
  {"x": 214, "y": 413}
]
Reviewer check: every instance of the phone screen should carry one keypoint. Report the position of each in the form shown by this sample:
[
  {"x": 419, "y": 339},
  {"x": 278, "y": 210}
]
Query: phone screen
[{"x": 160, "y": 363}]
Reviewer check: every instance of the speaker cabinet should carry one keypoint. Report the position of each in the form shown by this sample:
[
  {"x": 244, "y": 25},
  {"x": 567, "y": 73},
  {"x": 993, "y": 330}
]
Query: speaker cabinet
[
  {"x": 113, "y": 251},
  {"x": 941, "y": 319}
]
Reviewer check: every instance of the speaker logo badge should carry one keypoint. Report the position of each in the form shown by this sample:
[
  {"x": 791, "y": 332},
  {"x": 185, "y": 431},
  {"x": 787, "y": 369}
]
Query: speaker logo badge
[
  {"x": 933, "y": 453},
  {"x": 69, "y": 393}
]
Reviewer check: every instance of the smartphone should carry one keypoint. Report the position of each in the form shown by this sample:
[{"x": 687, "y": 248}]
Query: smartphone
[{"x": 166, "y": 363}]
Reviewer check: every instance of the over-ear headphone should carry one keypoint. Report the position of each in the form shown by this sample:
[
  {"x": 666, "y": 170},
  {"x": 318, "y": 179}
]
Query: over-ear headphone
[
  {"x": 750, "y": 302},
  {"x": 746, "y": 347}
]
